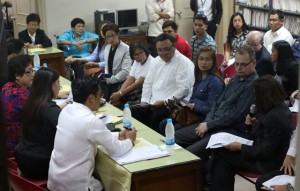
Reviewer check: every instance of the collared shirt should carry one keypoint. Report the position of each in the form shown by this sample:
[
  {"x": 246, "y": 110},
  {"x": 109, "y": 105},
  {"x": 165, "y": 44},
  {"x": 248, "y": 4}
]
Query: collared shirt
[
  {"x": 140, "y": 70},
  {"x": 237, "y": 42},
  {"x": 155, "y": 23},
  {"x": 196, "y": 44},
  {"x": 233, "y": 105},
  {"x": 280, "y": 34},
  {"x": 72, "y": 162},
  {"x": 95, "y": 56},
  {"x": 32, "y": 37},
  {"x": 206, "y": 7},
  {"x": 165, "y": 80},
  {"x": 293, "y": 145},
  {"x": 69, "y": 35}
]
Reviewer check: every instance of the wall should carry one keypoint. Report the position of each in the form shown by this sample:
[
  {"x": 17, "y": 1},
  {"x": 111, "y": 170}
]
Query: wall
[{"x": 58, "y": 14}]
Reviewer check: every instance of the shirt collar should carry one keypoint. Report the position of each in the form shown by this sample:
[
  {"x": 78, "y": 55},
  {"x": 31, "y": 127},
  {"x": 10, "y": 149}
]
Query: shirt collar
[
  {"x": 31, "y": 36},
  {"x": 278, "y": 32}
]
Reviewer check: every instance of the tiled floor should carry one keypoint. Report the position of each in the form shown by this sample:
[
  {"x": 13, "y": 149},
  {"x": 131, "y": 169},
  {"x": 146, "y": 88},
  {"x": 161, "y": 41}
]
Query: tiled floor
[{"x": 243, "y": 185}]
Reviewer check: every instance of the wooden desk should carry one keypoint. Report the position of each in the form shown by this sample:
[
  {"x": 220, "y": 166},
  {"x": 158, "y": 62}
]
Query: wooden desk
[
  {"x": 129, "y": 37},
  {"x": 54, "y": 59},
  {"x": 180, "y": 171}
]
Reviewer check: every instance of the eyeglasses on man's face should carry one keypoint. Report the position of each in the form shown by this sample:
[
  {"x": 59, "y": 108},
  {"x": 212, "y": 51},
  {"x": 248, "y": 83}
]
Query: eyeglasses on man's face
[
  {"x": 138, "y": 54},
  {"x": 164, "y": 50},
  {"x": 236, "y": 64}
]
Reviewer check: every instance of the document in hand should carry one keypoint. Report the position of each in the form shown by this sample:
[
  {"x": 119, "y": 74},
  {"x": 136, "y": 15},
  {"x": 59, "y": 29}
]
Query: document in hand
[
  {"x": 295, "y": 107},
  {"x": 220, "y": 139},
  {"x": 141, "y": 153},
  {"x": 279, "y": 180}
]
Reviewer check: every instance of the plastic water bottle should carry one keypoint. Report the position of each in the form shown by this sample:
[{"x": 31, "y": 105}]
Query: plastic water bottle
[
  {"x": 127, "y": 117},
  {"x": 170, "y": 138},
  {"x": 36, "y": 61},
  {"x": 45, "y": 65}
]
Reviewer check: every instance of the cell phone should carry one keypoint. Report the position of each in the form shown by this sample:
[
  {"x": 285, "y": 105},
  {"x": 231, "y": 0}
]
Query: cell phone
[{"x": 103, "y": 75}]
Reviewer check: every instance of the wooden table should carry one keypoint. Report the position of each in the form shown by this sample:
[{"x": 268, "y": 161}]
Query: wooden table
[
  {"x": 180, "y": 171},
  {"x": 54, "y": 59},
  {"x": 130, "y": 37}
]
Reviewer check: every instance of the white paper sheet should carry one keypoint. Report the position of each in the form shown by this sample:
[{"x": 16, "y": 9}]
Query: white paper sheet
[
  {"x": 280, "y": 180},
  {"x": 220, "y": 139}
]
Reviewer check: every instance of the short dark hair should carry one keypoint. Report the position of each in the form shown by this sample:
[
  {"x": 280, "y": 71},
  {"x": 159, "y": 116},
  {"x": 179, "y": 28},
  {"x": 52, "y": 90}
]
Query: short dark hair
[
  {"x": 201, "y": 17},
  {"x": 137, "y": 44},
  {"x": 269, "y": 93},
  {"x": 111, "y": 26},
  {"x": 75, "y": 21},
  {"x": 83, "y": 87},
  {"x": 164, "y": 36},
  {"x": 17, "y": 65},
  {"x": 33, "y": 17},
  {"x": 246, "y": 49},
  {"x": 278, "y": 12},
  {"x": 14, "y": 46},
  {"x": 170, "y": 23}
]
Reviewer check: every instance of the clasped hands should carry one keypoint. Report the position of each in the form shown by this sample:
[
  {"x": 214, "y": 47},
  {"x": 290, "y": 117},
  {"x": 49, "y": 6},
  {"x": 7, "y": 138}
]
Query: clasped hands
[{"x": 128, "y": 134}]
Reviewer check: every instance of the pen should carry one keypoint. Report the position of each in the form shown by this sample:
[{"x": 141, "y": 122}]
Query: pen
[{"x": 102, "y": 117}]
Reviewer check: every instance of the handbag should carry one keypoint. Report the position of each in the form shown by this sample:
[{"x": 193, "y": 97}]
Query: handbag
[{"x": 181, "y": 114}]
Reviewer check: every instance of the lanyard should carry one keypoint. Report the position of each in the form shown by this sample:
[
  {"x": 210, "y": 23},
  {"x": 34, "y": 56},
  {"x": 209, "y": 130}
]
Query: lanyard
[{"x": 203, "y": 2}]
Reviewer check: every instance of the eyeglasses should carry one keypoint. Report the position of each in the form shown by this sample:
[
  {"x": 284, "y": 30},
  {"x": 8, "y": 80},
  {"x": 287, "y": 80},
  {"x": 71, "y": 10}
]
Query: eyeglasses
[
  {"x": 138, "y": 54},
  {"x": 252, "y": 44},
  {"x": 241, "y": 64},
  {"x": 164, "y": 50},
  {"x": 29, "y": 72},
  {"x": 111, "y": 36}
]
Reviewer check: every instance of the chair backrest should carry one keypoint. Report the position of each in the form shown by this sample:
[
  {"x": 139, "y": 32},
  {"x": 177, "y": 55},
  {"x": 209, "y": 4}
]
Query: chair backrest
[
  {"x": 220, "y": 59},
  {"x": 17, "y": 183},
  {"x": 229, "y": 71}
]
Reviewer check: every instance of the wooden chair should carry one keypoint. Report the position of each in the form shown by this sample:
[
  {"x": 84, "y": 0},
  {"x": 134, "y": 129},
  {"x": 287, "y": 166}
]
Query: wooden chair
[{"x": 18, "y": 183}]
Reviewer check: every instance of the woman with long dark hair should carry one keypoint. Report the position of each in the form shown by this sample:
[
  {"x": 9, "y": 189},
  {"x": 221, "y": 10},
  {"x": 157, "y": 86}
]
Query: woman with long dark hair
[
  {"x": 236, "y": 36},
  {"x": 40, "y": 117},
  {"x": 286, "y": 66},
  {"x": 207, "y": 87},
  {"x": 271, "y": 129}
]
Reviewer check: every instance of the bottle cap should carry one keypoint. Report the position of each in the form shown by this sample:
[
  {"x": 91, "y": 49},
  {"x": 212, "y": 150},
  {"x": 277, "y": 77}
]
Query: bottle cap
[
  {"x": 36, "y": 53},
  {"x": 126, "y": 105},
  {"x": 44, "y": 64},
  {"x": 169, "y": 120}
]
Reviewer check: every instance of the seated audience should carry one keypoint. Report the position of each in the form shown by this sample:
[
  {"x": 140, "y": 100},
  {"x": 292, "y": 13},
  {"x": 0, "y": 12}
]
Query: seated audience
[
  {"x": 201, "y": 38},
  {"x": 286, "y": 67},
  {"x": 13, "y": 96},
  {"x": 76, "y": 43},
  {"x": 79, "y": 132},
  {"x": 278, "y": 31},
  {"x": 15, "y": 47},
  {"x": 207, "y": 87},
  {"x": 229, "y": 110},
  {"x": 271, "y": 129},
  {"x": 39, "y": 120},
  {"x": 117, "y": 59},
  {"x": 96, "y": 59},
  {"x": 263, "y": 58},
  {"x": 236, "y": 36},
  {"x": 170, "y": 27},
  {"x": 288, "y": 167},
  {"x": 33, "y": 37},
  {"x": 131, "y": 90},
  {"x": 170, "y": 75}
]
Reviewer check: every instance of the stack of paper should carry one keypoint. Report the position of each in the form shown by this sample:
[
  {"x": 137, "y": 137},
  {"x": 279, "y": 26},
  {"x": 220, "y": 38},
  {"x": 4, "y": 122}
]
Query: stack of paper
[
  {"x": 141, "y": 153},
  {"x": 220, "y": 139},
  {"x": 279, "y": 180}
]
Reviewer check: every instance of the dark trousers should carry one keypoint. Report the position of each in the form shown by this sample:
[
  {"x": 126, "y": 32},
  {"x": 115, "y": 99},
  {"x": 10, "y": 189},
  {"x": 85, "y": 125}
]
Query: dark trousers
[
  {"x": 77, "y": 66},
  {"x": 150, "y": 117},
  {"x": 151, "y": 45},
  {"x": 32, "y": 167},
  {"x": 224, "y": 166},
  {"x": 212, "y": 29},
  {"x": 263, "y": 178},
  {"x": 108, "y": 89}
]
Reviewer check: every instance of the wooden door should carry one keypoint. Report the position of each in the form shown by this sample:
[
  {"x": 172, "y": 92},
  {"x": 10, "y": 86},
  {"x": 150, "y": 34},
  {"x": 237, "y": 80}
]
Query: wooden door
[
  {"x": 20, "y": 9},
  {"x": 184, "y": 18}
]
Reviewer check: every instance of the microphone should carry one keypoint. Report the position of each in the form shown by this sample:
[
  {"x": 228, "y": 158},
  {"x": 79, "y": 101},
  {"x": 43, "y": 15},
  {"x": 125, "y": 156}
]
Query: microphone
[{"x": 252, "y": 110}]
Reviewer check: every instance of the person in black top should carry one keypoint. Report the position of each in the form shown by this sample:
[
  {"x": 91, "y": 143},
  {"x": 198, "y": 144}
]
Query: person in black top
[
  {"x": 38, "y": 126},
  {"x": 33, "y": 37}
]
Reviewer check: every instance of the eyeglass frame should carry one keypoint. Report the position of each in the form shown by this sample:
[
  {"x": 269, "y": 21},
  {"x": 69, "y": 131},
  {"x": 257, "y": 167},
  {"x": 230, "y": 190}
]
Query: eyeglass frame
[
  {"x": 29, "y": 73},
  {"x": 242, "y": 64}
]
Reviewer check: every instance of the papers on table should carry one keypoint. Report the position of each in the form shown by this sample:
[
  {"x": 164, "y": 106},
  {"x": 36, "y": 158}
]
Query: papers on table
[
  {"x": 33, "y": 50},
  {"x": 141, "y": 153},
  {"x": 61, "y": 101},
  {"x": 279, "y": 180},
  {"x": 109, "y": 118},
  {"x": 295, "y": 107},
  {"x": 220, "y": 139}
]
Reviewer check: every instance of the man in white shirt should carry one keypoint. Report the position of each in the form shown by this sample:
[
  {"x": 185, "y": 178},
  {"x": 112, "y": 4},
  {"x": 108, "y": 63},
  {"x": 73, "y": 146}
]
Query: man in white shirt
[
  {"x": 157, "y": 12},
  {"x": 278, "y": 31},
  {"x": 78, "y": 133},
  {"x": 171, "y": 74}
]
